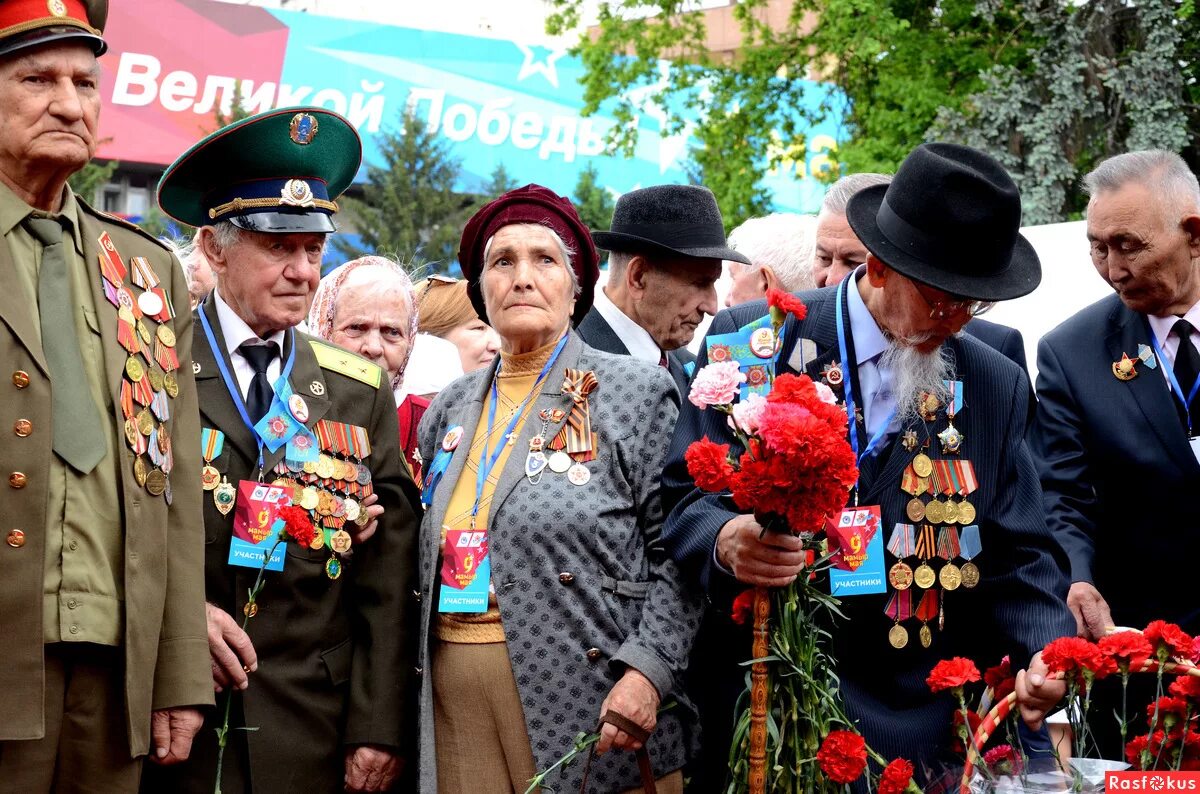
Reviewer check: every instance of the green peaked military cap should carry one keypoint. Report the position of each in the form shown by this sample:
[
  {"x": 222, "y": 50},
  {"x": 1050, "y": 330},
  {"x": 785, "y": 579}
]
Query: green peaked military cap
[{"x": 278, "y": 171}]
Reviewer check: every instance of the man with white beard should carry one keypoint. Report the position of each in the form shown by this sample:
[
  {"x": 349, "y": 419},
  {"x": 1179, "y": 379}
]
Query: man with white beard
[{"x": 939, "y": 421}]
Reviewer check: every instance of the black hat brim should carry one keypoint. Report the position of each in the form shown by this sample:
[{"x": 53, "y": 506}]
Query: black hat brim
[
  {"x": 632, "y": 243},
  {"x": 285, "y": 222},
  {"x": 1020, "y": 277}
]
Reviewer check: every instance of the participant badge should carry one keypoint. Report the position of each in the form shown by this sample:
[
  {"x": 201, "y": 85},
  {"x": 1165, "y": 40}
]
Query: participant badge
[
  {"x": 254, "y": 525},
  {"x": 466, "y": 572},
  {"x": 857, "y": 547}
]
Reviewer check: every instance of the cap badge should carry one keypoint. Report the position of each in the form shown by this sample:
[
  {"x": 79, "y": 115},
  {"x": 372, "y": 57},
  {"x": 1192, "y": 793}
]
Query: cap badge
[
  {"x": 296, "y": 193},
  {"x": 57, "y": 7},
  {"x": 303, "y": 129}
]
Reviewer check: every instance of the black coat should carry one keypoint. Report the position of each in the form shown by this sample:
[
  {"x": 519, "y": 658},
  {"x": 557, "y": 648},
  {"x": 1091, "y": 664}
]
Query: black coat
[
  {"x": 595, "y": 331},
  {"x": 1019, "y": 604}
]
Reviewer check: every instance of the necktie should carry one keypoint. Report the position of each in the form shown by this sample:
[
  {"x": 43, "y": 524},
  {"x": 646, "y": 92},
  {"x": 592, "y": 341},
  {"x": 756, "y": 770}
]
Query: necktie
[
  {"x": 258, "y": 397},
  {"x": 1187, "y": 363},
  {"x": 78, "y": 435}
]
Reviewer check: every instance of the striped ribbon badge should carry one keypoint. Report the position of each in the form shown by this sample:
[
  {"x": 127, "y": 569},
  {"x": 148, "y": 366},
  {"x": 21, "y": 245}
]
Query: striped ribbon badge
[{"x": 578, "y": 385}]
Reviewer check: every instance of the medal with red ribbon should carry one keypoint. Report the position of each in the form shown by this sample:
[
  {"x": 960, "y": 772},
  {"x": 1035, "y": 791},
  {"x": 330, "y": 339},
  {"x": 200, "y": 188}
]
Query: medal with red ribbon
[
  {"x": 899, "y": 609},
  {"x": 927, "y": 610}
]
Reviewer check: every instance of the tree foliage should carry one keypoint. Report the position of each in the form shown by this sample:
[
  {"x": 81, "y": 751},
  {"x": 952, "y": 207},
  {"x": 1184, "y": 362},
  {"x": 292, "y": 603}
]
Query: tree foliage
[
  {"x": 1048, "y": 86},
  {"x": 93, "y": 176},
  {"x": 408, "y": 209},
  {"x": 593, "y": 202}
]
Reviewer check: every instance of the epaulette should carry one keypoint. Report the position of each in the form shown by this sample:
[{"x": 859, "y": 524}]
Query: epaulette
[
  {"x": 119, "y": 221},
  {"x": 345, "y": 363}
]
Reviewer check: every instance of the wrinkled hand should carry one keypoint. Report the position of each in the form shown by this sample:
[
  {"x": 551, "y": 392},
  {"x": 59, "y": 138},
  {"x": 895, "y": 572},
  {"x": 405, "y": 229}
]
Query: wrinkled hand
[
  {"x": 171, "y": 734},
  {"x": 230, "y": 648},
  {"x": 371, "y": 768},
  {"x": 1037, "y": 694},
  {"x": 771, "y": 560},
  {"x": 634, "y": 698},
  {"x": 374, "y": 511},
  {"x": 1093, "y": 619}
]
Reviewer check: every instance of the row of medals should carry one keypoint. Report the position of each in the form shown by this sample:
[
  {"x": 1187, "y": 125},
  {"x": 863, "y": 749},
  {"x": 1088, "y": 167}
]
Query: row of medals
[
  {"x": 151, "y": 476},
  {"x": 559, "y": 462}
]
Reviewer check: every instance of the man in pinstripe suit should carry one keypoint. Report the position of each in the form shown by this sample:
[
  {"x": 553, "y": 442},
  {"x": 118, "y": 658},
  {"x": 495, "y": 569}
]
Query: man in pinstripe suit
[{"x": 885, "y": 338}]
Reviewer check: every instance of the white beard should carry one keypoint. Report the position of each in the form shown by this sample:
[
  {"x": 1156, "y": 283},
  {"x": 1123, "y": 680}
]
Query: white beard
[{"x": 915, "y": 373}]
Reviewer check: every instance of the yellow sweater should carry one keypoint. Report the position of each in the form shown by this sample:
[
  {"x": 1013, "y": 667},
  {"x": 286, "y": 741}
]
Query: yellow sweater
[{"x": 518, "y": 373}]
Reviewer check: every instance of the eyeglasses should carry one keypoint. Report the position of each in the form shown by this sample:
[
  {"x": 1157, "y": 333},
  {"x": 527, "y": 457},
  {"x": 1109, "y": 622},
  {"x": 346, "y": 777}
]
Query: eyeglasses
[{"x": 942, "y": 308}]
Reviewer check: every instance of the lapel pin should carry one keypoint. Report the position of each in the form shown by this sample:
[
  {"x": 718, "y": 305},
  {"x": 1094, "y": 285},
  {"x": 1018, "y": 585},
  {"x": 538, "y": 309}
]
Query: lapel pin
[
  {"x": 1125, "y": 368},
  {"x": 1147, "y": 356},
  {"x": 317, "y": 388}
]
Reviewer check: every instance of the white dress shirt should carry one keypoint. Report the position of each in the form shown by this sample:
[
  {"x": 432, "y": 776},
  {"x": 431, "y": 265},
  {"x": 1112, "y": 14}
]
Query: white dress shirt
[
  {"x": 635, "y": 338},
  {"x": 1167, "y": 340},
  {"x": 236, "y": 334},
  {"x": 877, "y": 400}
]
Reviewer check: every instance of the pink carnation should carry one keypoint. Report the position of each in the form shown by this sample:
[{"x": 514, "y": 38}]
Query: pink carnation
[
  {"x": 824, "y": 393},
  {"x": 748, "y": 413},
  {"x": 716, "y": 384}
]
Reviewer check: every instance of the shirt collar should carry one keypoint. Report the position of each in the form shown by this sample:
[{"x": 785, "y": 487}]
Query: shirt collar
[
  {"x": 13, "y": 210},
  {"x": 639, "y": 342},
  {"x": 1162, "y": 325},
  {"x": 235, "y": 330},
  {"x": 869, "y": 340}
]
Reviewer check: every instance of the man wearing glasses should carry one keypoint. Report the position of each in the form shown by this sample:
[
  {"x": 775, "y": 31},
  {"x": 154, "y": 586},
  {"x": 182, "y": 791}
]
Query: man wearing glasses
[{"x": 938, "y": 422}]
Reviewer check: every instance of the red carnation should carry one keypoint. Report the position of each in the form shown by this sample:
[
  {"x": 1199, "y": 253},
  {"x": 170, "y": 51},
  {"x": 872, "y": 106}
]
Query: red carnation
[
  {"x": 783, "y": 304},
  {"x": 843, "y": 756},
  {"x": 1186, "y": 686},
  {"x": 708, "y": 463},
  {"x": 1075, "y": 655},
  {"x": 952, "y": 674},
  {"x": 1003, "y": 760},
  {"x": 1168, "y": 640},
  {"x": 1135, "y": 750},
  {"x": 743, "y": 607},
  {"x": 1000, "y": 680},
  {"x": 1168, "y": 713},
  {"x": 1126, "y": 648},
  {"x": 973, "y": 721},
  {"x": 298, "y": 524},
  {"x": 896, "y": 777}
]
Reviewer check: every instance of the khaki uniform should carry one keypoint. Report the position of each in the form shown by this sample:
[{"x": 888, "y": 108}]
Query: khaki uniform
[{"x": 94, "y": 560}]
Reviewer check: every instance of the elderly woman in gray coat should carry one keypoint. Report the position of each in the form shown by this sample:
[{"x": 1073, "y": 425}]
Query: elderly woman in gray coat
[{"x": 548, "y": 602}]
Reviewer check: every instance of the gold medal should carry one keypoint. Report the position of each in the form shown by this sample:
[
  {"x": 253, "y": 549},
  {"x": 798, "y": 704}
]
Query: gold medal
[
  {"x": 924, "y": 576},
  {"x": 318, "y": 541},
  {"x": 140, "y": 470},
  {"x": 324, "y": 467},
  {"x": 251, "y": 609},
  {"x": 164, "y": 439},
  {"x": 922, "y": 465},
  {"x": 143, "y": 332},
  {"x": 935, "y": 512},
  {"x": 309, "y": 498},
  {"x": 132, "y": 433},
  {"x": 340, "y": 542},
  {"x": 928, "y": 407},
  {"x": 970, "y": 575},
  {"x": 333, "y": 567},
  {"x": 900, "y": 576},
  {"x": 166, "y": 336},
  {"x": 926, "y": 636},
  {"x": 134, "y": 370},
  {"x": 950, "y": 576},
  {"x": 966, "y": 512},
  {"x": 363, "y": 518},
  {"x": 156, "y": 379},
  {"x": 898, "y": 636},
  {"x": 156, "y": 482},
  {"x": 326, "y": 505},
  {"x": 352, "y": 509},
  {"x": 224, "y": 495},
  {"x": 171, "y": 385},
  {"x": 1124, "y": 369},
  {"x": 309, "y": 467},
  {"x": 210, "y": 478},
  {"x": 949, "y": 512},
  {"x": 915, "y": 510},
  {"x": 145, "y": 422}
]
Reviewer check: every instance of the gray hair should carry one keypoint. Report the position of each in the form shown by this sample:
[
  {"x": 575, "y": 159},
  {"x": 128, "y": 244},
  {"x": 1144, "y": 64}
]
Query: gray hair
[
  {"x": 1164, "y": 173},
  {"x": 839, "y": 193},
  {"x": 226, "y": 234},
  {"x": 567, "y": 251},
  {"x": 783, "y": 242}
]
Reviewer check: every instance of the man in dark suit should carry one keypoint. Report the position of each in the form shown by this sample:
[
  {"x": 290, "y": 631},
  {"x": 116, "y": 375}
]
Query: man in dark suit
[
  {"x": 1116, "y": 436},
  {"x": 666, "y": 245},
  {"x": 323, "y": 676},
  {"x": 900, "y": 314}
]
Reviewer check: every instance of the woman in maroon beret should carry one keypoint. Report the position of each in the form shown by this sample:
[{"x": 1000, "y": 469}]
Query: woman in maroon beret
[{"x": 548, "y": 602}]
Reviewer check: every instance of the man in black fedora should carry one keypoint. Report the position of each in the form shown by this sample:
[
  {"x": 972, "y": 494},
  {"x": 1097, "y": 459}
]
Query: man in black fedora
[
  {"x": 666, "y": 247},
  {"x": 930, "y": 405}
]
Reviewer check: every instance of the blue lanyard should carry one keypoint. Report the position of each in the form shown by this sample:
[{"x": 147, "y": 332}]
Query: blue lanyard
[
  {"x": 849, "y": 381},
  {"x": 1176, "y": 389},
  {"x": 235, "y": 393},
  {"x": 487, "y": 460}
]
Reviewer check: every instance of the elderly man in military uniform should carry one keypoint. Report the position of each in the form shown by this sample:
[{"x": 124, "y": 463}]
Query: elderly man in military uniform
[
  {"x": 100, "y": 568},
  {"x": 317, "y": 669}
]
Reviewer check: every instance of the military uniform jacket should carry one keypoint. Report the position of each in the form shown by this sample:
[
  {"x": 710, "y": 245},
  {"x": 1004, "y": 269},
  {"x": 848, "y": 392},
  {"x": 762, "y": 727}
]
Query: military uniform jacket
[
  {"x": 1019, "y": 604},
  {"x": 165, "y": 643},
  {"x": 335, "y": 665},
  {"x": 583, "y": 583}
]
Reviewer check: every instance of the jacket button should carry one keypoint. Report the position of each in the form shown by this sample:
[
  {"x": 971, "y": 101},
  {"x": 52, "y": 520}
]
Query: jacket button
[
  {"x": 16, "y": 538},
  {"x": 22, "y": 427},
  {"x": 420, "y": 671},
  {"x": 566, "y": 577},
  {"x": 593, "y": 654},
  {"x": 18, "y": 479},
  {"x": 20, "y": 379}
]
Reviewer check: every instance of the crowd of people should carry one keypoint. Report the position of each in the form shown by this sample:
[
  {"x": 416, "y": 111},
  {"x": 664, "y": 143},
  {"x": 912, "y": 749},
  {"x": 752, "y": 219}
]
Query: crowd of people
[{"x": 506, "y": 547}]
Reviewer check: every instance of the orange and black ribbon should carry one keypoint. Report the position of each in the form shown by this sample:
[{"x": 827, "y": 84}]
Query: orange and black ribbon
[
  {"x": 576, "y": 436},
  {"x": 925, "y": 542}
]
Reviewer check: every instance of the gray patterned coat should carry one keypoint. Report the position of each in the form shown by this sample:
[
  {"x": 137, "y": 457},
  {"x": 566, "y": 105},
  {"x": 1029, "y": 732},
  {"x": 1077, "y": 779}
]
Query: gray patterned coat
[{"x": 584, "y": 586}]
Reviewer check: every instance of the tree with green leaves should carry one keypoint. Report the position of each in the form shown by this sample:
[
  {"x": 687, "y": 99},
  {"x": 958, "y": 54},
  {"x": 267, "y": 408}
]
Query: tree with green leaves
[
  {"x": 408, "y": 209},
  {"x": 592, "y": 200},
  {"x": 1047, "y": 86},
  {"x": 88, "y": 180}
]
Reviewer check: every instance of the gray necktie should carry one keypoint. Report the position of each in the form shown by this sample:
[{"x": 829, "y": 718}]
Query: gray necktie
[{"x": 78, "y": 438}]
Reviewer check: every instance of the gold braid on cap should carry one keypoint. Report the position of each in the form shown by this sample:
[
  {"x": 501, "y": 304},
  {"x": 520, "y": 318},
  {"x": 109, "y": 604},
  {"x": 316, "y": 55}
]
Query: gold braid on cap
[{"x": 239, "y": 204}]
